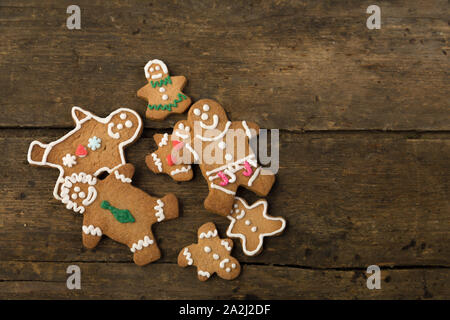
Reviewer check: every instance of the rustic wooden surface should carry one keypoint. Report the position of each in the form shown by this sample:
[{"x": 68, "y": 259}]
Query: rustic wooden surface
[{"x": 364, "y": 125}]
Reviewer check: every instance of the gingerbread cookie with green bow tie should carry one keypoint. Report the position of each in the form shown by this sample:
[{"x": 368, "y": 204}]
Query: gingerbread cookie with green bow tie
[{"x": 163, "y": 92}]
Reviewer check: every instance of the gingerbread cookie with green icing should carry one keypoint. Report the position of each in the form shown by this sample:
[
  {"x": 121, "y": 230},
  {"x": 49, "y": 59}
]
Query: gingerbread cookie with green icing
[
  {"x": 210, "y": 255},
  {"x": 115, "y": 208},
  {"x": 163, "y": 92}
]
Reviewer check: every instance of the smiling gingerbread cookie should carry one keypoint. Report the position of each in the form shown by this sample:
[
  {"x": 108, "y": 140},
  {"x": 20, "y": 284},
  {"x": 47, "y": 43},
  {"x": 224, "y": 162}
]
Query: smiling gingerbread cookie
[{"x": 163, "y": 92}]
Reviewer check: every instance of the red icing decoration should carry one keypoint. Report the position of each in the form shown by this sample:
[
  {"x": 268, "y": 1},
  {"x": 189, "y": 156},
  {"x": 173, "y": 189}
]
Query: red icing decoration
[
  {"x": 81, "y": 151},
  {"x": 169, "y": 160},
  {"x": 175, "y": 143},
  {"x": 222, "y": 176},
  {"x": 248, "y": 170}
]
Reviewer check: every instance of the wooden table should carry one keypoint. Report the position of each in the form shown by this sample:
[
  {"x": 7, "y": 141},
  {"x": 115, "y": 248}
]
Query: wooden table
[{"x": 364, "y": 124}]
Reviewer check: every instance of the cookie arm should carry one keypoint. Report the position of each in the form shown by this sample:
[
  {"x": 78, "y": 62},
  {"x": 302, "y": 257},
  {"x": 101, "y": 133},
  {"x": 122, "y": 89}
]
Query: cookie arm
[
  {"x": 179, "y": 81},
  {"x": 127, "y": 171},
  {"x": 253, "y": 127},
  {"x": 185, "y": 257}
]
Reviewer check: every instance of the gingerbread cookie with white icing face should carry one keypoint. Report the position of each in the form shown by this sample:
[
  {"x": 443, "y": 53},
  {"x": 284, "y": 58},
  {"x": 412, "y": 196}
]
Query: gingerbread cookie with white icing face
[
  {"x": 222, "y": 150},
  {"x": 163, "y": 92},
  {"x": 94, "y": 146},
  {"x": 210, "y": 255},
  {"x": 115, "y": 208},
  {"x": 251, "y": 224}
]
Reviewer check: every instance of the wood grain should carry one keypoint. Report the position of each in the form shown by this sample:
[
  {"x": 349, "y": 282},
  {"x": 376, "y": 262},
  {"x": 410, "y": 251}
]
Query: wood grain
[
  {"x": 168, "y": 281},
  {"x": 296, "y": 65}
]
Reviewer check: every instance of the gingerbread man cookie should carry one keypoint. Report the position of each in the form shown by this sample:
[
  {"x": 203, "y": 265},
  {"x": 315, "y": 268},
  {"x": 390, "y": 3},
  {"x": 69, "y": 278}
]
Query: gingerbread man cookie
[
  {"x": 163, "y": 92},
  {"x": 95, "y": 145},
  {"x": 251, "y": 224},
  {"x": 211, "y": 255},
  {"x": 115, "y": 208},
  {"x": 222, "y": 150}
]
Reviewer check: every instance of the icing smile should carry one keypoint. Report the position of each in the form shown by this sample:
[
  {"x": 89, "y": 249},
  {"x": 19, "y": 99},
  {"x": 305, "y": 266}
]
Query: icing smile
[
  {"x": 113, "y": 135},
  {"x": 157, "y": 76},
  {"x": 92, "y": 195}
]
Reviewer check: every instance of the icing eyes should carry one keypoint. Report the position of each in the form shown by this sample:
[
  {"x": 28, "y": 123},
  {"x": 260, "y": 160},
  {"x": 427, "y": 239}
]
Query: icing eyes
[
  {"x": 216, "y": 256},
  {"x": 76, "y": 189},
  {"x": 222, "y": 145},
  {"x": 205, "y": 107},
  {"x": 197, "y": 112},
  {"x": 128, "y": 124},
  {"x": 207, "y": 249},
  {"x": 204, "y": 116},
  {"x": 123, "y": 116},
  {"x": 157, "y": 68},
  {"x": 247, "y": 222},
  {"x": 151, "y": 69},
  {"x": 82, "y": 195},
  {"x": 119, "y": 126},
  {"x": 181, "y": 126}
]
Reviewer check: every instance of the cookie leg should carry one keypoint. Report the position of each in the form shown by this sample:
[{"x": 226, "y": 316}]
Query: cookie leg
[
  {"x": 219, "y": 201},
  {"x": 262, "y": 184},
  {"x": 145, "y": 251},
  {"x": 91, "y": 236}
]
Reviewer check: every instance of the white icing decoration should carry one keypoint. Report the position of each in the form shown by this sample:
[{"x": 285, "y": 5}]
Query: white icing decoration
[
  {"x": 180, "y": 135},
  {"x": 119, "y": 126},
  {"x": 157, "y": 161},
  {"x": 93, "y": 231},
  {"x": 205, "y": 107},
  {"x": 141, "y": 244},
  {"x": 69, "y": 160},
  {"x": 157, "y": 76},
  {"x": 226, "y": 245},
  {"x": 181, "y": 170},
  {"x": 240, "y": 216},
  {"x": 261, "y": 235},
  {"x": 254, "y": 229},
  {"x": 204, "y": 273},
  {"x": 228, "y": 157},
  {"x": 123, "y": 116},
  {"x": 233, "y": 265},
  {"x": 121, "y": 177},
  {"x": 74, "y": 196},
  {"x": 69, "y": 181},
  {"x": 235, "y": 166},
  {"x": 162, "y": 89},
  {"x": 235, "y": 205},
  {"x": 191, "y": 150},
  {"x": 227, "y": 269},
  {"x": 152, "y": 69},
  {"x": 253, "y": 177},
  {"x": 222, "y": 145},
  {"x": 82, "y": 195},
  {"x": 165, "y": 97},
  {"x": 157, "y": 68},
  {"x": 94, "y": 143},
  {"x": 207, "y": 249},
  {"x": 215, "y": 186},
  {"x": 204, "y": 117},
  {"x": 155, "y": 61},
  {"x": 128, "y": 124},
  {"x": 247, "y": 222},
  {"x": 247, "y": 130},
  {"x": 211, "y": 126},
  {"x": 188, "y": 255},
  {"x": 216, "y": 256},
  {"x": 76, "y": 189},
  {"x": 164, "y": 140},
  {"x": 219, "y": 136},
  {"x": 209, "y": 234},
  {"x": 159, "y": 210},
  {"x": 88, "y": 116},
  {"x": 197, "y": 112},
  {"x": 112, "y": 134},
  {"x": 222, "y": 263}
]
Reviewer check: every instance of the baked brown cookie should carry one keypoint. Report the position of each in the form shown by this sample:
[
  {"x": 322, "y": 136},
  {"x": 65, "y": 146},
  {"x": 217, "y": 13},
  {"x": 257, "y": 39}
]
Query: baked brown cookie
[
  {"x": 163, "y": 92},
  {"x": 115, "y": 208},
  {"x": 211, "y": 255}
]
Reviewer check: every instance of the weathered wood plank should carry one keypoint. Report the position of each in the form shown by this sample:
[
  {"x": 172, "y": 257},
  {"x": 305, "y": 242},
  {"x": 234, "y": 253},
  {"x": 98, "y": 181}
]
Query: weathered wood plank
[
  {"x": 293, "y": 64},
  {"x": 22, "y": 280},
  {"x": 351, "y": 200}
]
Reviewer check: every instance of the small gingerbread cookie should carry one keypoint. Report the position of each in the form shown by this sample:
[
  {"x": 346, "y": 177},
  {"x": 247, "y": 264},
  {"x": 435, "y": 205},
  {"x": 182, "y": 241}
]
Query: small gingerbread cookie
[
  {"x": 211, "y": 255},
  {"x": 115, "y": 208},
  {"x": 251, "y": 224},
  {"x": 163, "y": 92},
  {"x": 94, "y": 146}
]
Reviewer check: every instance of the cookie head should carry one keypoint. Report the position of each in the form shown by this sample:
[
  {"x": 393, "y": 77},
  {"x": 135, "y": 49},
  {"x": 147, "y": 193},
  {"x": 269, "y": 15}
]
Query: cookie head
[
  {"x": 124, "y": 125},
  {"x": 78, "y": 191},
  {"x": 155, "y": 69},
  {"x": 208, "y": 114}
]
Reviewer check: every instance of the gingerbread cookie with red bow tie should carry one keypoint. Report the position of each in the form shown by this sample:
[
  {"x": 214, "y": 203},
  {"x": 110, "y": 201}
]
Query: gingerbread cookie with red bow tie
[
  {"x": 251, "y": 224},
  {"x": 210, "y": 255},
  {"x": 163, "y": 92},
  {"x": 94, "y": 146}
]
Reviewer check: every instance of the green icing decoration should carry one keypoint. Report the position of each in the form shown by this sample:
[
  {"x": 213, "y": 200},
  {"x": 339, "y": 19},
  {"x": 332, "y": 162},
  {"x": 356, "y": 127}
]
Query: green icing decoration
[
  {"x": 168, "y": 106},
  {"x": 162, "y": 82},
  {"x": 121, "y": 215}
]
